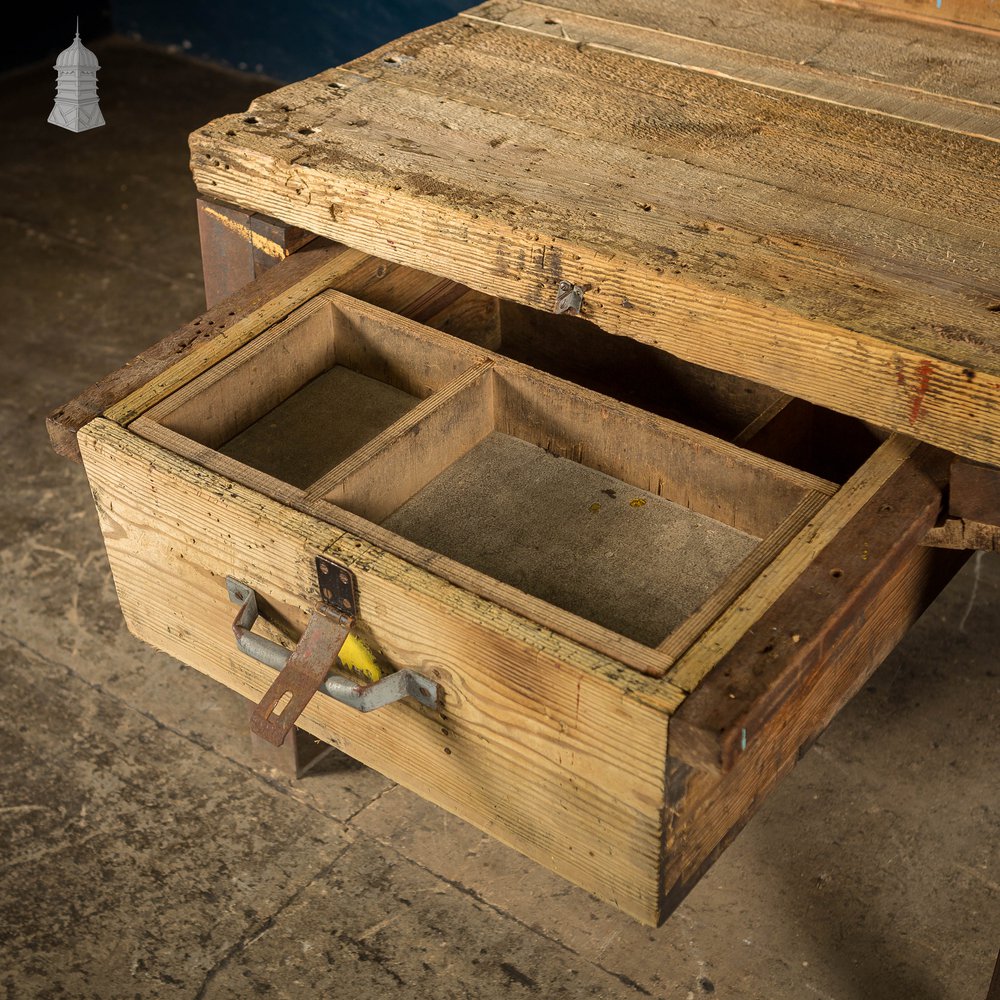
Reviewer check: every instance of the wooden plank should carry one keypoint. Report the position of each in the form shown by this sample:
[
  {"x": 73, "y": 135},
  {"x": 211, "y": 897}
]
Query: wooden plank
[
  {"x": 954, "y": 533},
  {"x": 531, "y": 727},
  {"x": 638, "y": 657},
  {"x": 664, "y": 457},
  {"x": 889, "y": 320},
  {"x": 64, "y": 422},
  {"x": 238, "y": 246},
  {"x": 959, "y": 13},
  {"x": 227, "y": 255},
  {"x": 716, "y": 806},
  {"x": 795, "y": 560},
  {"x": 798, "y": 77},
  {"x": 681, "y": 640},
  {"x": 384, "y": 474},
  {"x": 271, "y": 367},
  {"x": 848, "y": 40},
  {"x": 974, "y": 492},
  {"x": 473, "y": 316},
  {"x": 240, "y": 331}
]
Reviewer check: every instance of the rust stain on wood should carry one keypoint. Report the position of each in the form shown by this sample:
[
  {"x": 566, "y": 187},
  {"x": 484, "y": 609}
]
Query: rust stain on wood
[{"x": 924, "y": 371}]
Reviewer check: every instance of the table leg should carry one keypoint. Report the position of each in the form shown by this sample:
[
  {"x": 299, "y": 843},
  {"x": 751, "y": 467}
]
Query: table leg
[{"x": 238, "y": 246}]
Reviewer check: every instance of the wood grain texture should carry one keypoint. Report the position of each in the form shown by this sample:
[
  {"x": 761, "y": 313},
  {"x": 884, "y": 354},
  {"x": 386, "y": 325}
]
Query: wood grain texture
[
  {"x": 712, "y": 477},
  {"x": 974, "y": 492},
  {"x": 873, "y": 93},
  {"x": 784, "y": 681},
  {"x": 955, "y": 533},
  {"x": 392, "y": 467},
  {"x": 550, "y": 747},
  {"x": 238, "y": 246},
  {"x": 424, "y": 297},
  {"x": 64, "y": 422},
  {"x": 771, "y": 236},
  {"x": 960, "y": 13},
  {"x": 845, "y": 38},
  {"x": 636, "y": 656}
]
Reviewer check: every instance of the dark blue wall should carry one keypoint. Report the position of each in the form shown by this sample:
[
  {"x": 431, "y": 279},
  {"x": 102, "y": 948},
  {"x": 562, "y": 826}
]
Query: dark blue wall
[{"x": 287, "y": 40}]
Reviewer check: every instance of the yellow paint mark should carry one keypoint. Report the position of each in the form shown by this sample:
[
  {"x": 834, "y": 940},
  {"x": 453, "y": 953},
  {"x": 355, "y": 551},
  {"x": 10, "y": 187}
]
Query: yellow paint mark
[
  {"x": 357, "y": 657},
  {"x": 257, "y": 241},
  {"x": 637, "y": 502},
  {"x": 594, "y": 508}
]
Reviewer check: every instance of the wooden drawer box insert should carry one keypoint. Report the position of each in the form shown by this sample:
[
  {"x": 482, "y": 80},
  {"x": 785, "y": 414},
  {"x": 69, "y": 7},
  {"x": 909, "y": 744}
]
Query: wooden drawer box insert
[{"x": 571, "y": 570}]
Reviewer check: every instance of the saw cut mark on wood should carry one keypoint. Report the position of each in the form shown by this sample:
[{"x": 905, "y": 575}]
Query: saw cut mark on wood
[{"x": 911, "y": 104}]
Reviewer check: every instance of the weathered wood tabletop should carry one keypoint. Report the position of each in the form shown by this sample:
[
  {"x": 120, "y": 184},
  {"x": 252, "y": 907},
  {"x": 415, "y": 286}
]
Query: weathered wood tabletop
[{"x": 787, "y": 190}]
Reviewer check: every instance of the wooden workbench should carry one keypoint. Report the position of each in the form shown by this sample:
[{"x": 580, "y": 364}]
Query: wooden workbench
[
  {"x": 781, "y": 214},
  {"x": 794, "y": 192}
]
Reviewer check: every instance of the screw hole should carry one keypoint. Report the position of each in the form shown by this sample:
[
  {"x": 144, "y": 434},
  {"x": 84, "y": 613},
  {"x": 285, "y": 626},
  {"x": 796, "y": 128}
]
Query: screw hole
[{"x": 836, "y": 573}]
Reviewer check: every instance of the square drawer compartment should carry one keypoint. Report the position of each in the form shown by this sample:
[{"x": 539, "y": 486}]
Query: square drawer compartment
[{"x": 633, "y": 623}]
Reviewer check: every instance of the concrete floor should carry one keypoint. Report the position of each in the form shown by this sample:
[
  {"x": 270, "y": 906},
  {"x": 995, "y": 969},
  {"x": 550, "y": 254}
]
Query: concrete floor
[{"x": 144, "y": 853}]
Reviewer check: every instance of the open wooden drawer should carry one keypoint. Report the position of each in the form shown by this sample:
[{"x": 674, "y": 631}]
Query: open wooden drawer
[{"x": 632, "y": 625}]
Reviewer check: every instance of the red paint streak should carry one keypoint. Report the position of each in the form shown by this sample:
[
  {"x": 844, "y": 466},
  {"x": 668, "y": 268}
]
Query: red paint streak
[{"x": 924, "y": 372}]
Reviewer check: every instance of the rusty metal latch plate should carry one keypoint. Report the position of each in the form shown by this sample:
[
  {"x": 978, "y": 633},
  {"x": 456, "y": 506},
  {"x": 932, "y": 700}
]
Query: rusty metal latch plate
[
  {"x": 302, "y": 676},
  {"x": 306, "y": 669}
]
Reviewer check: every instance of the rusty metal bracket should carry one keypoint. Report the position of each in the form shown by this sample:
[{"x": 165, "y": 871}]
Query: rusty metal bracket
[
  {"x": 306, "y": 669},
  {"x": 569, "y": 298}
]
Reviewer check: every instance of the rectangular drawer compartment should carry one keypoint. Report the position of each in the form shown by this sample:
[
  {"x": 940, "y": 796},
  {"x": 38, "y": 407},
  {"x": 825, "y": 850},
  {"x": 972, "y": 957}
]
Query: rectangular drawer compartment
[{"x": 634, "y": 624}]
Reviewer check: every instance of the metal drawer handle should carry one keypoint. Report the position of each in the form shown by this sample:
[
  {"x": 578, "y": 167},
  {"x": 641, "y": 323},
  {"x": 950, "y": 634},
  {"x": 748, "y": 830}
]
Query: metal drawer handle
[{"x": 306, "y": 669}]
